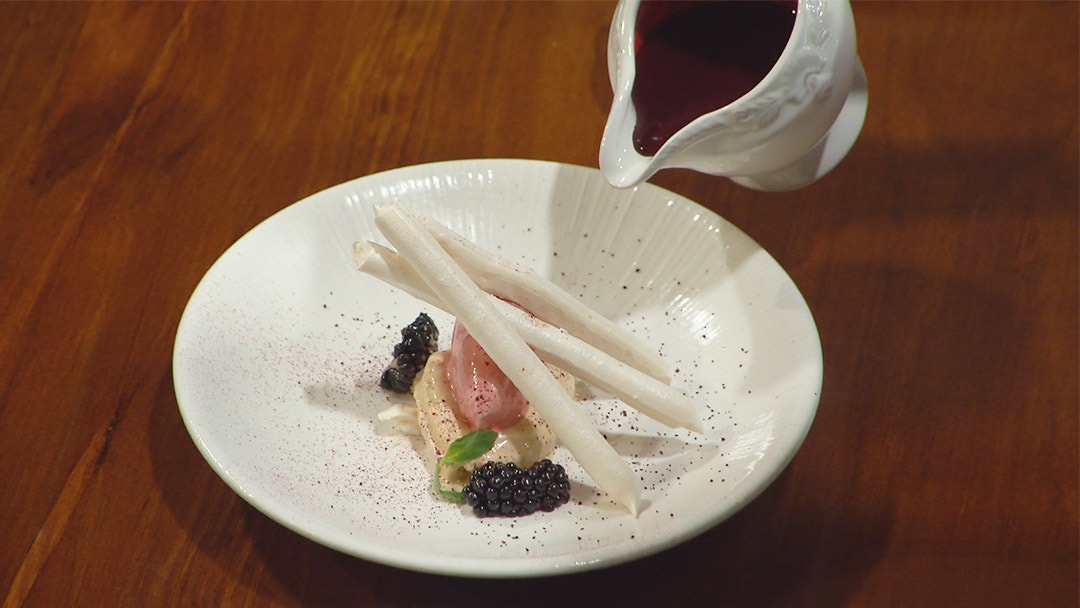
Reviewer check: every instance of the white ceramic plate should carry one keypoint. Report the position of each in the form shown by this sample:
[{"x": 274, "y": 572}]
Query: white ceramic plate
[{"x": 279, "y": 350}]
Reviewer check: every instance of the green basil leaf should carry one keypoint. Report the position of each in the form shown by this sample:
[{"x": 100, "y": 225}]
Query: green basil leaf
[
  {"x": 464, "y": 449},
  {"x": 469, "y": 447}
]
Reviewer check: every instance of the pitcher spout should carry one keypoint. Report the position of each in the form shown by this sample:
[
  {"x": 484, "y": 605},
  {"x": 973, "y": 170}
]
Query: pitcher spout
[{"x": 620, "y": 163}]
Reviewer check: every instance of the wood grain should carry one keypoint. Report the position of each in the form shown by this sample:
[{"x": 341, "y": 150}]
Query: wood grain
[{"x": 940, "y": 261}]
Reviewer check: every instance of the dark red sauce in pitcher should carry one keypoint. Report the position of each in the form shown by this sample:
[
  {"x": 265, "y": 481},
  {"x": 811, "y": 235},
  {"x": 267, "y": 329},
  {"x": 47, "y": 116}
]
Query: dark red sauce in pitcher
[{"x": 694, "y": 57}]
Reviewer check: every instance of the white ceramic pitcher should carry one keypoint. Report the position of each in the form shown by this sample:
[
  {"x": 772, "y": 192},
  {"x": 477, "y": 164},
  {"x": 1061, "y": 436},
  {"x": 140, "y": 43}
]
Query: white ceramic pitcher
[{"x": 790, "y": 129}]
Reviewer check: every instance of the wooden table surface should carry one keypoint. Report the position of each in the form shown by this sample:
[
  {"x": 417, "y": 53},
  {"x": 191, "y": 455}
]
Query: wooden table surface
[{"x": 940, "y": 260}]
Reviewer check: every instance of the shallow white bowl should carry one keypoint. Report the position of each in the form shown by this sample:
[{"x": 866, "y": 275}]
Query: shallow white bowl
[{"x": 279, "y": 350}]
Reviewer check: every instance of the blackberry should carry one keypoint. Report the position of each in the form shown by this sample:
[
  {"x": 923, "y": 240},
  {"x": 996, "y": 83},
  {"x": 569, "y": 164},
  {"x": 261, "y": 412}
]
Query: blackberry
[
  {"x": 505, "y": 489},
  {"x": 418, "y": 340}
]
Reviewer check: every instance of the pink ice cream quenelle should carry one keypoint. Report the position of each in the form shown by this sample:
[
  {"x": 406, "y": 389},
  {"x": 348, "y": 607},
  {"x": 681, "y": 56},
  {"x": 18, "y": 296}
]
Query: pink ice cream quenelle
[{"x": 485, "y": 396}]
